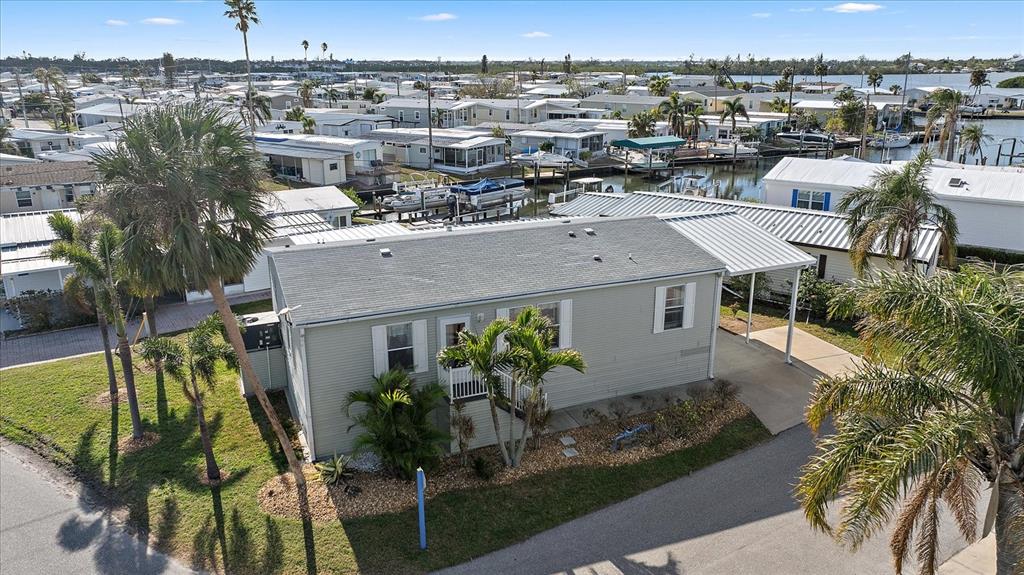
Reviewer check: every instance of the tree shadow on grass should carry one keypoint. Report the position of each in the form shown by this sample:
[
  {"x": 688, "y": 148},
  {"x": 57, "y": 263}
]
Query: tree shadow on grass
[
  {"x": 228, "y": 545},
  {"x": 280, "y": 402}
]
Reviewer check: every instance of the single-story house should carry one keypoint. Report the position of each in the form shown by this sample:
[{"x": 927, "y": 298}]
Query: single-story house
[
  {"x": 648, "y": 276},
  {"x": 988, "y": 201},
  {"x": 413, "y": 112},
  {"x": 45, "y": 185},
  {"x": 627, "y": 105},
  {"x": 454, "y": 150},
  {"x": 31, "y": 143},
  {"x": 318, "y": 159},
  {"x": 25, "y": 266},
  {"x": 718, "y": 129},
  {"x": 108, "y": 112}
]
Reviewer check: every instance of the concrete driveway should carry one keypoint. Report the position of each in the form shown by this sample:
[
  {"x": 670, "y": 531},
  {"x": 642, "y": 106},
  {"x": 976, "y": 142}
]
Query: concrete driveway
[{"x": 45, "y": 527}]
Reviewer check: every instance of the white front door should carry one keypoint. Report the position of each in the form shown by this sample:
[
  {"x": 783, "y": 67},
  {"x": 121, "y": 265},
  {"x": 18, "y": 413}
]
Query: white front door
[{"x": 448, "y": 329}]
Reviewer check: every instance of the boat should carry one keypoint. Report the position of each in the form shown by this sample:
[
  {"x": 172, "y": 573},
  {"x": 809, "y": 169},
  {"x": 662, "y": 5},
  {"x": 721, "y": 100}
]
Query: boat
[
  {"x": 542, "y": 159},
  {"x": 417, "y": 199},
  {"x": 890, "y": 141},
  {"x": 806, "y": 138},
  {"x": 730, "y": 148},
  {"x": 640, "y": 162},
  {"x": 687, "y": 185},
  {"x": 575, "y": 188},
  {"x": 490, "y": 192}
]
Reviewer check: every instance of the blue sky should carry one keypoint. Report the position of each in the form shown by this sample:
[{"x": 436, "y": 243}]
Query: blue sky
[{"x": 518, "y": 30}]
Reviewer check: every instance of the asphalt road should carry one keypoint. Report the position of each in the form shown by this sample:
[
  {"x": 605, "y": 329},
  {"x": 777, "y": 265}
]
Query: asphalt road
[
  {"x": 46, "y": 528},
  {"x": 735, "y": 517}
]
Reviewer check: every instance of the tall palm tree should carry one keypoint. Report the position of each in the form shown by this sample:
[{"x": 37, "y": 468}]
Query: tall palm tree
[
  {"x": 323, "y": 52},
  {"x": 940, "y": 419},
  {"x": 731, "y": 109},
  {"x": 194, "y": 366},
  {"x": 694, "y": 122},
  {"x": 945, "y": 106},
  {"x": 305, "y": 49},
  {"x": 820, "y": 69},
  {"x": 332, "y": 95},
  {"x": 53, "y": 78},
  {"x": 305, "y": 91},
  {"x": 487, "y": 358},
  {"x": 979, "y": 79},
  {"x": 972, "y": 138},
  {"x": 76, "y": 284},
  {"x": 874, "y": 80},
  {"x": 890, "y": 211},
  {"x": 259, "y": 106},
  {"x": 98, "y": 260},
  {"x": 674, "y": 111},
  {"x": 244, "y": 11},
  {"x": 658, "y": 85},
  {"x": 194, "y": 185},
  {"x": 533, "y": 357},
  {"x": 787, "y": 76}
]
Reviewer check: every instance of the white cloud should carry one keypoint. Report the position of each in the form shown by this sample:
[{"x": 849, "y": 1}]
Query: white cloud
[
  {"x": 536, "y": 34},
  {"x": 761, "y": 15},
  {"x": 160, "y": 21},
  {"x": 854, "y": 7},
  {"x": 116, "y": 22},
  {"x": 799, "y": 10},
  {"x": 439, "y": 17}
]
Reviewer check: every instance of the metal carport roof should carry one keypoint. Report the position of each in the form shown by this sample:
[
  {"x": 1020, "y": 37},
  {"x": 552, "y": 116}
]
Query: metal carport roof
[{"x": 652, "y": 143}]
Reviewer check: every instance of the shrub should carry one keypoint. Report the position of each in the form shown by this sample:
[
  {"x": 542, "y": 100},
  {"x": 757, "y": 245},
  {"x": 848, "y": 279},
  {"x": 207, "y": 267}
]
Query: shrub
[
  {"x": 335, "y": 470},
  {"x": 619, "y": 411},
  {"x": 398, "y": 423},
  {"x": 734, "y": 308},
  {"x": 483, "y": 468},
  {"x": 463, "y": 427},
  {"x": 679, "y": 420},
  {"x": 725, "y": 391},
  {"x": 44, "y": 310},
  {"x": 990, "y": 255},
  {"x": 815, "y": 293}
]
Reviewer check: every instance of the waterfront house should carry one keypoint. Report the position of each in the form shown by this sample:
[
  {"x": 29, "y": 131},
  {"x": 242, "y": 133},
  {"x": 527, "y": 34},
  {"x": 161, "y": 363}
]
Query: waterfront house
[
  {"x": 638, "y": 297},
  {"x": 414, "y": 113},
  {"x": 460, "y": 151},
  {"x": 988, "y": 201},
  {"x": 318, "y": 159}
]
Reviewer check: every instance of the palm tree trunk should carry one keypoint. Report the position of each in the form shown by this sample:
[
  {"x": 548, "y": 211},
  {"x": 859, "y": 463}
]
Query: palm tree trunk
[
  {"x": 124, "y": 351},
  {"x": 497, "y": 430},
  {"x": 149, "y": 304},
  {"x": 248, "y": 74},
  {"x": 520, "y": 447},
  {"x": 244, "y": 363},
  {"x": 1010, "y": 530},
  {"x": 212, "y": 470},
  {"x": 108, "y": 357}
]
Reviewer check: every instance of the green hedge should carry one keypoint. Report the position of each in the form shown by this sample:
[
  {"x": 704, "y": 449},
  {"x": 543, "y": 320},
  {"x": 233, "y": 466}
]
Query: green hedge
[{"x": 990, "y": 255}]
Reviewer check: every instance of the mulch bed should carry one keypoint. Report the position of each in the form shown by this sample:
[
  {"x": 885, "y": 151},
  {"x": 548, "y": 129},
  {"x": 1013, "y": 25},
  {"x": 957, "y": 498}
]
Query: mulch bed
[
  {"x": 130, "y": 445},
  {"x": 379, "y": 494},
  {"x": 103, "y": 399}
]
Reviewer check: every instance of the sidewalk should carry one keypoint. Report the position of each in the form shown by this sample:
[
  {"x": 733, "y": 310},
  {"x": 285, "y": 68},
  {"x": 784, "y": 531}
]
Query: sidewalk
[
  {"x": 54, "y": 345},
  {"x": 977, "y": 559}
]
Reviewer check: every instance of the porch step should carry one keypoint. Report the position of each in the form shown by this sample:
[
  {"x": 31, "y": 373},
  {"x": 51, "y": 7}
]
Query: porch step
[
  {"x": 570, "y": 452},
  {"x": 567, "y": 440}
]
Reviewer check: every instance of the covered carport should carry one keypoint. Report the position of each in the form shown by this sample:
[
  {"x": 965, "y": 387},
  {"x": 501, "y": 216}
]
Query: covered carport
[
  {"x": 745, "y": 249},
  {"x": 647, "y": 146}
]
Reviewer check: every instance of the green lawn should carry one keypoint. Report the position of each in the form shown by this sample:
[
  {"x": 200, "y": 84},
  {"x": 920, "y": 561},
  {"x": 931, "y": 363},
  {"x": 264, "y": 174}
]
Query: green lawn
[
  {"x": 257, "y": 306},
  {"x": 838, "y": 333},
  {"x": 52, "y": 408}
]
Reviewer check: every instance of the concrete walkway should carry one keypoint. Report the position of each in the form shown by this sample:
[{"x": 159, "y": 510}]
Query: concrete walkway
[
  {"x": 818, "y": 354},
  {"x": 46, "y": 527},
  {"x": 977, "y": 559},
  {"x": 54, "y": 345}
]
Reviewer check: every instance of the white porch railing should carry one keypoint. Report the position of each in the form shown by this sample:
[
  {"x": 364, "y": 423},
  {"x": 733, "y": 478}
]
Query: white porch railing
[{"x": 463, "y": 383}]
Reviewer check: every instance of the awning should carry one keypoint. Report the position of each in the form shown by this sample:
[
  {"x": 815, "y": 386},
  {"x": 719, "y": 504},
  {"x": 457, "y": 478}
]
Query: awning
[{"x": 653, "y": 143}]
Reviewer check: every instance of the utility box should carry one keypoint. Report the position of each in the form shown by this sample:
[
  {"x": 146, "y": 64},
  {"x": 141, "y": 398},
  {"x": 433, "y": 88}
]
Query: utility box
[{"x": 262, "y": 337}]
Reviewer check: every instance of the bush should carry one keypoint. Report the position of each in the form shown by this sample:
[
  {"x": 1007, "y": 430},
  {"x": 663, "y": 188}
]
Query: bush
[
  {"x": 335, "y": 470},
  {"x": 45, "y": 310},
  {"x": 398, "y": 423},
  {"x": 990, "y": 255},
  {"x": 725, "y": 391},
  {"x": 680, "y": 420},
  {"x": 483, "y": 468},
  {"x": 464, "y": 428},
  {"x": 815, "y": 293}
]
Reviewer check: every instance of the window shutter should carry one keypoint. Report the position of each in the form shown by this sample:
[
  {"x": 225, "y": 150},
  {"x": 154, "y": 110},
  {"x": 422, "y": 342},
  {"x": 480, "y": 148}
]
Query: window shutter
[
  {"x": 380, "y": 348},
  {"x": 502, "y": 313},
  {"x": 828, "y": 200},
  {"x": 565, "y": 324},
  {"x": 796, "y": 196},
  {"x": 659, "y": 309},
  {"x": 419, "y": 345},
  {"x": 688, "y": 304}
]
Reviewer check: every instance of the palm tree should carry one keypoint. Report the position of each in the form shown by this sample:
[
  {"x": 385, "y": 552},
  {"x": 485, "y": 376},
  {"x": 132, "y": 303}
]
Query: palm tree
[
  {"x": 787, "y": 76},
  {"x": 204, "y": 210},
  {"x": 296, "y": 114},
  {"x": 731, "y": 109},
  {"x": 487, "y": 359},
  {"x": 308, "y": 124},
  {"x": 323, "y": 51},
  {"x": 946, "y": 106},
  {"x": 96, "y": 258},
  {"x": 940, "y": 419},
  {"x": 778, "y": 104},
  {"x": 694, "y": 122},
  {"x": 6, "y": 146},
  {"x": 305, "y": 50},
  {"x": 193, "y": 364},
  {"x": 370, "y": 94},
  {"x": 305, "y": 91},
  {"x": 532, "y": 343},
  {"x": 979, "y": 79},
  {"x": 895, "y": 89},
  {"x": 658, "y": 85},
  {"x": 259, "y": 106},
  {"x": 674, "y": 111},
  {"x": 244, "y": 11},
  {"x": 820, "y": 69},
  {"x": 889, "y": 212},
  {"x": 874, "y": 80},
  {"x": 332, "y": 96},
  {"x": 972, "y": 138},
  {"x": 75, "y": 286},
  {"x": 642, "y": 124},
  {"x": 54, "y": 78}
]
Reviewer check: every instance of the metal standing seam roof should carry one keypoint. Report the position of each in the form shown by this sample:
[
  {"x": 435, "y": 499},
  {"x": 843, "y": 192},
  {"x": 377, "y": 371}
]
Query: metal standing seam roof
[
  {"x": 651, "y": 143},
  {"x": 290, "y": 224},
  {"x": 354, "y": 281},
  {"x": 383, "y": 230},
  {"x": 743, "y": 246},
  {"x": 30, "y": 227},
  {"x": 812, "y": 228}
]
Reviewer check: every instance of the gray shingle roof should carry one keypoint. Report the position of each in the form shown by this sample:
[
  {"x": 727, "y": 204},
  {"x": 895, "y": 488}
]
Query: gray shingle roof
[
  {"x": 47, "y": 173},
  {"x": 354, "y": 280}
]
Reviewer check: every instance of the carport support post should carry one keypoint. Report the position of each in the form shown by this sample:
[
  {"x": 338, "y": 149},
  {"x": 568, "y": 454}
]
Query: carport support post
[
  {"x": 792, "y": 315},
  {"x": 715, "y": 314},
  {"x": 750, "y": 304}
]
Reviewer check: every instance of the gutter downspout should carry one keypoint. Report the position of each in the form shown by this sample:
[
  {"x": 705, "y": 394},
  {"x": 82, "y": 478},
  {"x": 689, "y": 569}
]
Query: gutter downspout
[
  {"x": 716, "y": 312},
  {"x": 308, "y": 416},
  {"x": 792, "y": 316},
  {"x": 750, "y": 304}
]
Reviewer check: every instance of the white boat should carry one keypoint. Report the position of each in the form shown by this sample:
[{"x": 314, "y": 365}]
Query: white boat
[
  {"x": 890, "y": 141},
  {"x": 575, "y": 188},
  {"x": 805, "y": 138},
  {"x": 730, "y": 148},
  {"x": 687, "y": 185},
  {"x": 491, "y": 192},
  {"x": 542, "y": 159},
  {"x": 415, "y": 199}
]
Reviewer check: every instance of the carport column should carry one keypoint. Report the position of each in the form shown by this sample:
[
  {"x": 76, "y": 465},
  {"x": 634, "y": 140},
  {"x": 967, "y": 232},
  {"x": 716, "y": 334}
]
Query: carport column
[
  {"x": 714, "y": 324},
  {"x": 750, "y": 304},
  {"x": 792, "y": 315}
]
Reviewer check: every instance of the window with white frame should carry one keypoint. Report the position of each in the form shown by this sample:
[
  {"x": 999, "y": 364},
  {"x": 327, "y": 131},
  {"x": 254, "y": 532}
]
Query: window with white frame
[
  {"x": 548, "y": 310},
  {"x": 674, "y": 307},
  {"x": 400, "y": 347},
  {"x": 69, "y": 193},
  {"x": 810, "y": 200},
  {"x": 24, "y": 198}
]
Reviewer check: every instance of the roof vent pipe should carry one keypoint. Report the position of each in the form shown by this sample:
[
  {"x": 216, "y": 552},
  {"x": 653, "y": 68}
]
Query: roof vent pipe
[
  {"x": 385, "y": 252},
  {"x": 589, "y": 231},
  {"x": 597, "y": 257},
  {"x": 572, "y": 234}
]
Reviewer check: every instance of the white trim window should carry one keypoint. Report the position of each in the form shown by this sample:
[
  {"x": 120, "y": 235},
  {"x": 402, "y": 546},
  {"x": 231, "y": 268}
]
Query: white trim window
[
  {"x": 558, "y": 313},
  {"x": 400, "y": 346},
  {"x": 810, "y": 200},
  {"x": 674, "y": 307},
  {"x": 24, "y": 198}
]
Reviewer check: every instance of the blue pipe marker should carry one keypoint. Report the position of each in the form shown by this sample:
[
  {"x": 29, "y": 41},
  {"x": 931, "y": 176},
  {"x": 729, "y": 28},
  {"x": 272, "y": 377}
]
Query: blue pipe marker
[{"x": 421, "y": 486}]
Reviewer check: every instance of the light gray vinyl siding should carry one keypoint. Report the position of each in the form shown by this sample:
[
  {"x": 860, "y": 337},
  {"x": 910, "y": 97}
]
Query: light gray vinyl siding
[
  {"x": 271, "y": 366},
  {"x": 483, "y": 425},
  {"x": 612, "y": 327}
]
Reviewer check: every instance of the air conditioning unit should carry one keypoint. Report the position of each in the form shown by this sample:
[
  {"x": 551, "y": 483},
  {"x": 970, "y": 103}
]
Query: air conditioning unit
[{"x": 957, "y": 183}]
